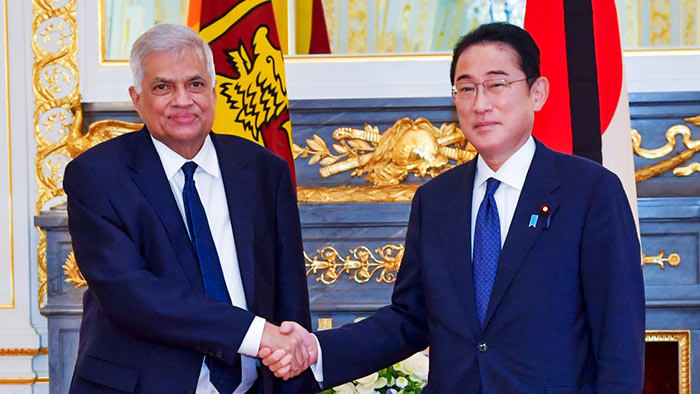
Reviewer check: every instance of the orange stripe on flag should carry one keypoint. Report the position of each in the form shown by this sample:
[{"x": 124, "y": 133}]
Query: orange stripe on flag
[{"x": 194, "y": 14}]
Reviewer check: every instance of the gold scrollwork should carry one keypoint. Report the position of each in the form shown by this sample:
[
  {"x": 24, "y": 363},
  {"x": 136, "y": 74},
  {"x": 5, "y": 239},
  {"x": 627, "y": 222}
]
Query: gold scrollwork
[
  {"x": 72, "y": 272},
  {"x": 55, "y": 86},
  {"x": 682, "y": 337},
  {"x": 360, "y": 265},
  {"x": 673, "y": 259},
  {"x": 408, "y": 146},
  {"x": 675, "y": 162}
]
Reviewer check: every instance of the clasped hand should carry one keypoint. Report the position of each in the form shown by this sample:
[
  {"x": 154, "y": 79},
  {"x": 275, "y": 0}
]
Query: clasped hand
[{"x": 287, "y": 350}]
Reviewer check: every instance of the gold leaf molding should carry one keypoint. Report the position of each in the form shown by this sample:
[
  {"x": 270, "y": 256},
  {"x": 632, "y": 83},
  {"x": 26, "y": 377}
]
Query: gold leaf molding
[
  {"x": 682, "y": 337},
  {"x": 360, "y": 264}
]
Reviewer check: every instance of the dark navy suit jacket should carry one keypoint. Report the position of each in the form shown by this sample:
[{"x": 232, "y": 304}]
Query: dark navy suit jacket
[
  {"x": 566, "y": 313},
  {"x": 147, "y": 321}
]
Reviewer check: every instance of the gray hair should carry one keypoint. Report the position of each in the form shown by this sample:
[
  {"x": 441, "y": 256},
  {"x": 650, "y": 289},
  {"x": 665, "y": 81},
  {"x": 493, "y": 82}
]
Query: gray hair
[{"x": 168, "y": 37}]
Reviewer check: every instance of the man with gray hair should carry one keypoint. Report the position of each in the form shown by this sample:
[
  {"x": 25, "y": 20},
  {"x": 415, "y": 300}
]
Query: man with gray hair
[{"x": 190, "y": 242}]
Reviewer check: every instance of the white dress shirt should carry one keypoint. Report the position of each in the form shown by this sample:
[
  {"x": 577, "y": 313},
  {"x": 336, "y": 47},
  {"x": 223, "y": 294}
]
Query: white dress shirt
[
  {"x": 210, "y": 187},
  {"x": 512, "y": 178}
]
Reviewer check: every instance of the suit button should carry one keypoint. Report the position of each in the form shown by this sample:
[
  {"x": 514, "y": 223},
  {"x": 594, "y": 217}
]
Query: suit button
[
  {"x": 219, "y": 354},
  {"x": 483, "y": 347},
  {"x": 189, "y": 391}
]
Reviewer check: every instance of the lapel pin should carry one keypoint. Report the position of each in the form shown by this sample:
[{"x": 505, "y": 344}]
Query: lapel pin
[
  {"x": 533, "y": 221},
  {"x": 546, "y": 211}
]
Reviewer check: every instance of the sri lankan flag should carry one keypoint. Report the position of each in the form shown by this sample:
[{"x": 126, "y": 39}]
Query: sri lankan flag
[
  {"x": 587, "y": 112},
  {"x": 250, "y": 77}
]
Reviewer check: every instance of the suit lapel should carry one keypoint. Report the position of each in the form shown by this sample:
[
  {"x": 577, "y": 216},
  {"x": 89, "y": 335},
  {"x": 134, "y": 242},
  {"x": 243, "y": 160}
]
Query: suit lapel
[
  {"x": 238, "y": 184},
  {"x": 148, "y": 174},
  {"x": 455, "y": 232},
  {"x": 541, "y": 181}
]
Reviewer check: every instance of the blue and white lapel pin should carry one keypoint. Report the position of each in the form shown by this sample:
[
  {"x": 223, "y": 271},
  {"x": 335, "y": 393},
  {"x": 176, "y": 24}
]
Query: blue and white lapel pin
[{"x": 545, "y": 211}]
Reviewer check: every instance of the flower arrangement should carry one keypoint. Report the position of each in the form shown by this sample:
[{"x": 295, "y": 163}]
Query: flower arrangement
[{"x": 405, "y": 377}]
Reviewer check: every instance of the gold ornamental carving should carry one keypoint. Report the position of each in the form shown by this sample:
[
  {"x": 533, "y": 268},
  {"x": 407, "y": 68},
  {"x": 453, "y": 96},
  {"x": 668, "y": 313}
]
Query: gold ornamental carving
[
  {"x": 675, "y": 162},
  {"x": 72, "y": 272},
  {"x": 57, "y": 114},
  {"x": 409, "y": 146},
  {"x": 673, "y": 259},
  {"x": 347, "y": 194},
  {"x": 360, "y": 265},
  {"x": 682, "y": 337}
]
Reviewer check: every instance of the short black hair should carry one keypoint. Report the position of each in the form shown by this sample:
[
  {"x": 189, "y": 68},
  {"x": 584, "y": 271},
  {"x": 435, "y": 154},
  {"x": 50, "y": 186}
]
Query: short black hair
[{"x": 499, "y": 32}]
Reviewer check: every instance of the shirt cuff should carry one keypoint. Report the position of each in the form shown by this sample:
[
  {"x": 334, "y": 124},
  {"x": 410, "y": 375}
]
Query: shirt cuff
[
  {"x": 251, "y": 342},
  {"x": 317, "y": 368}
]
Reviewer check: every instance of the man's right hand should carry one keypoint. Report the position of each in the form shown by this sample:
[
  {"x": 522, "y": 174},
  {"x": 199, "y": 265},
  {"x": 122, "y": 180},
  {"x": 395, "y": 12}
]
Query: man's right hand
[{"x": 288, "y": 350}]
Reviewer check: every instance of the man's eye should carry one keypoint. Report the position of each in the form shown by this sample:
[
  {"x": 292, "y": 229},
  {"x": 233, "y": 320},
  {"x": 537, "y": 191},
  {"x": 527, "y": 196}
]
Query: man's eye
[
  {"x": 467, "y": 88},
  {"x": 197, "y": 86},
  {"x": 497, "y": 84}
]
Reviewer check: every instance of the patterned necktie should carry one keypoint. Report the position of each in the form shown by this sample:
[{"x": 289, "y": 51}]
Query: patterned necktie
[
  {"x": 487, "y": 248},
  {"x": 223, "y": 376}
]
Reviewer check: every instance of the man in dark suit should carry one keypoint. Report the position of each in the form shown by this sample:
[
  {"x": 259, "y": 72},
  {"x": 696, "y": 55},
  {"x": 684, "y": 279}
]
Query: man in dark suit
[
  {"x": 522, "y": 267},
  {"x": 190, "y": 242}
]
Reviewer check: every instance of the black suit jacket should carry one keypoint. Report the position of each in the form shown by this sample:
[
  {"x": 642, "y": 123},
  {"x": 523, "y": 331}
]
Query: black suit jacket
[
  {"x": 566, "y": 313},
  {"x": 147, "y": 322}
]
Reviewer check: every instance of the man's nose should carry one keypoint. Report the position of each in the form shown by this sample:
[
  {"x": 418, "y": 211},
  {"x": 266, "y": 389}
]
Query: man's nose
[
  {"x": 481, "y": 99},
  {"x": 182, "y": 96}
]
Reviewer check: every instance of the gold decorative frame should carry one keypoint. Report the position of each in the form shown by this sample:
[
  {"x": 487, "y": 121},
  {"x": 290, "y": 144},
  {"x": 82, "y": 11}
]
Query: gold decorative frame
[
  {"x": 11, "y": 305},
  {"x": 58, "y": 113},
  {"x": 38, "y": 379},
  {"x": 682, "y": 337},
  {"x": 24, "y": 352}
]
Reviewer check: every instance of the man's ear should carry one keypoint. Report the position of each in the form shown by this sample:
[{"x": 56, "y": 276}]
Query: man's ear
[
  {"x": 135, "y": 99},
  {"x": 539, "y": 92}
]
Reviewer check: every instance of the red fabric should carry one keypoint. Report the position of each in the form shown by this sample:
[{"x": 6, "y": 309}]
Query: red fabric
[
  {"x": 320, "y": 43},
  {"x": 544, "y": 20}
]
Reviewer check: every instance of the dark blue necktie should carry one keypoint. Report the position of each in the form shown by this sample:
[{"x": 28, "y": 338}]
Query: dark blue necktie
[
  {"x": 223, "y": 376},
  {"x": 487, "y": 248}
]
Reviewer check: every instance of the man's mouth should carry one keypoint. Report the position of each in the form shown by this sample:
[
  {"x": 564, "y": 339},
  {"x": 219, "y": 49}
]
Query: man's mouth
[
  {"x": 484, "y": 125},
  {"x": 182, "y": 118}
]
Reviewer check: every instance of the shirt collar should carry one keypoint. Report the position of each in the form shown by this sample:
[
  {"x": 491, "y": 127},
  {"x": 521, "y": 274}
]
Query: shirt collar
[
  {"x": 511, "y": 172},
  {"x": 172, "y": 162}
]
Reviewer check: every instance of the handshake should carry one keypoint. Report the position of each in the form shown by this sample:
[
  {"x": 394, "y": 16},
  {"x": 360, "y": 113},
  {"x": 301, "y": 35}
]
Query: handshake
[{"x": 287, "y": 350}]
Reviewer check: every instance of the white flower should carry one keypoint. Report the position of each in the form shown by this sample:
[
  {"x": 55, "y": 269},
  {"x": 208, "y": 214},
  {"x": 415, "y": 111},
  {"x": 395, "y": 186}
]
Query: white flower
[
  {"x": 363, "y": 389},
  {"x": 347, "y": 388},
  {"x": 416, "y": 365},
  {"x": 401, "y": 382},
  {"x": 366, "y": 384},
  {"x": 369, "y": 379},
  {"x": 381, "y": 382}
]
